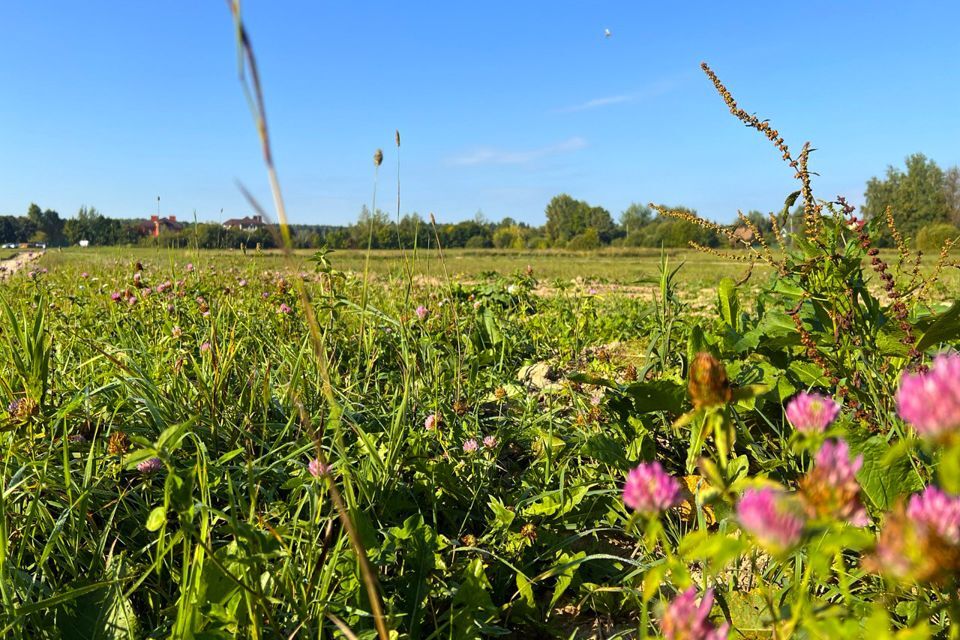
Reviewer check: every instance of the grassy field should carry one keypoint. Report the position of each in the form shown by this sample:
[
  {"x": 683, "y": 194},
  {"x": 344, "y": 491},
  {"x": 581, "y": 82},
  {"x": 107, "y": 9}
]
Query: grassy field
[
  {"x": 215, "y": 445},
  {"x": 613, "y": 266}
]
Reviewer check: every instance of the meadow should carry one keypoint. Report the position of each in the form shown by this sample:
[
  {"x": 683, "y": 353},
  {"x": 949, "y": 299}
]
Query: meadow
[
  {"x": 620, "y": 269},
  {"x": 178, "y": 462}
]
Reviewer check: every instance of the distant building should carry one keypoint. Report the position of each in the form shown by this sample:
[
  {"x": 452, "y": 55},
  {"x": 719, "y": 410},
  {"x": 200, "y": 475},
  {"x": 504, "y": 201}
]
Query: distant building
[
  {"x": 155, "y": 224},
  {"x": 245, "y": 224},
  {"x": 742, "y": 235}
]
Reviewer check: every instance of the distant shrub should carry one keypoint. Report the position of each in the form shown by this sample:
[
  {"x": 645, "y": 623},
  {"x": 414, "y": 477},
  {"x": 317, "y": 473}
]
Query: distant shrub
[
  {"x": 639, "y": 238},
  {"x": 510, "y": 237},
  {"x": 478, "y": 242},
  {"x": 932, "y": 237},
  {"x": 538, "y": 242},
  {"x": 585, "y": 241},
  {"x": 679, "y": 233}
]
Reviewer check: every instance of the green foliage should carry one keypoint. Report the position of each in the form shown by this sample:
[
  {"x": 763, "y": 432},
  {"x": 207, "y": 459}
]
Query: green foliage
[
  {"x": 933, "y": 237},
  {"x": 568, "y": 218},
  {"x": 919, "y": 197},
  {"x": 585, "y": 241},
  {"x": 47, "y": 224},
  {"x": 634, "y": 217},
  {"x": 510, "y": 237}
]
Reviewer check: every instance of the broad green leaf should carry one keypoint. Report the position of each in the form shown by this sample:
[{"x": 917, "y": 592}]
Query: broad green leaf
[
  {"x": 945, "y": 328},
  {"x": 566, "y": 566},
  {"x": 156, "y": 518},
  {"x": 890, "y": 343},
  {"x": 502, "y": 517},
  {"x": 657, "y": 395},
  {"x": 525, "y": 590},
  {"x": 696, "y": 343},
  {"x": 729, "y": 303},
  {"x": 809, "y": 374},
  {"x": 882, "y": 480}
]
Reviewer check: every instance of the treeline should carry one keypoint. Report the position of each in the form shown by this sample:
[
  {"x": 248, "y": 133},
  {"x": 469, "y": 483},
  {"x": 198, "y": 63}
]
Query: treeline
[
  {"x": 924, "y": 200},
  {"x": 571, "y": 223},
  {"x": 46, "y": 226}
]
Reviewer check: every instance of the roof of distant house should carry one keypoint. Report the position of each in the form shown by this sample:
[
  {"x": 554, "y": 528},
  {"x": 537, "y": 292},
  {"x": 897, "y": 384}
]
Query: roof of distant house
[
  {"x": 247, "y": 221},
  {"x": 171, "y": 224}
]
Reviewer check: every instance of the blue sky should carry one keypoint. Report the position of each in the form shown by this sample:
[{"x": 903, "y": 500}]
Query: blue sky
[{"x": 500, "y": 105}]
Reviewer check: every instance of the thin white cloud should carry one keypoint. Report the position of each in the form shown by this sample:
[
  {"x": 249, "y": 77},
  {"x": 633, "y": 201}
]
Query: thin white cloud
[
  {"x": 489, "y": 155},
  {"x": 653, "y": 90},
  {"x": 597, "y": 102}
]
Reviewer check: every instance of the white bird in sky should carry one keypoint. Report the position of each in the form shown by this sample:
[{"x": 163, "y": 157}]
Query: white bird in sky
[{"x": 607, "y": 33}]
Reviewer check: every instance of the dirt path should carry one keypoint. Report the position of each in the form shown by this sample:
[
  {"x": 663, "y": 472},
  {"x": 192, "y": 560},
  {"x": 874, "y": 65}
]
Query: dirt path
[{"x": 14, "y": 264}]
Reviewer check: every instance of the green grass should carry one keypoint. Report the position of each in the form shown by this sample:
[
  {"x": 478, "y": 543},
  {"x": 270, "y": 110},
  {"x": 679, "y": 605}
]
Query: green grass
[
  {"x": 616, "y": 266},
  {"x": 234, "y": 537}
]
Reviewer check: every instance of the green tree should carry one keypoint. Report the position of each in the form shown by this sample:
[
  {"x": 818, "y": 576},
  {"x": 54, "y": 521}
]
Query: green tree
[
  {"x": 10, "y": 229},
  {"x": 478, "y": 242},
  {"x": 917, "y": 197},
  {"x": 951, "y": 179},
  {"x": 635, "y": 217},
  {"x": 567, "y": 217},
  {"x": 508, "y": 238},
  {"x": 600, "y": 220},
  {"x": 47, "y": 224},
  {"x": 374, "y": 228},
  {"x": 90, "y": 225}
]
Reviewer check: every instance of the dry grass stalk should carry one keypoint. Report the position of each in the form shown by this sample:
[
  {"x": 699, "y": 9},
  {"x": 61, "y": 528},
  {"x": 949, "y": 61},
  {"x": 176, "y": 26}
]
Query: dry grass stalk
[{"x": 254, "y": 94}]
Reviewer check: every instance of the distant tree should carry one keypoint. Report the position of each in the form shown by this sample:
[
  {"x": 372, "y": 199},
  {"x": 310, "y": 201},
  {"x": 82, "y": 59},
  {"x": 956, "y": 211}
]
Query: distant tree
[
  {"x": 457, "y": 235},
  {"x": 951, "y": 179},
  {"x": 538, "y": 241},
  {"x": 600, "y": 220},
  {"x": 478, "y": 242},
  {"x": 508, "y": 238},
  {"x": 672, "y": 232},
  {"x": 340, "y": 239},
  {"x": 917, "y": 198},
  {"x": 634, "y": 217},
  {"x": 212, "y": 236},
  {"x": 567, "y": 217},
  {"x": 372, "y": 228},
  {"x": 48, "y": 227},
  {"x": 414, "y": 231},
  {"x": 9, "y": 229},
  {"x": 90, "y": 225},
  {"x": 35, "y": 214}
]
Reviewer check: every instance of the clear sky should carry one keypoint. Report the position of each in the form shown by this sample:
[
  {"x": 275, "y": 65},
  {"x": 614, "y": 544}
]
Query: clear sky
[{"x": 500, "y": 105}]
